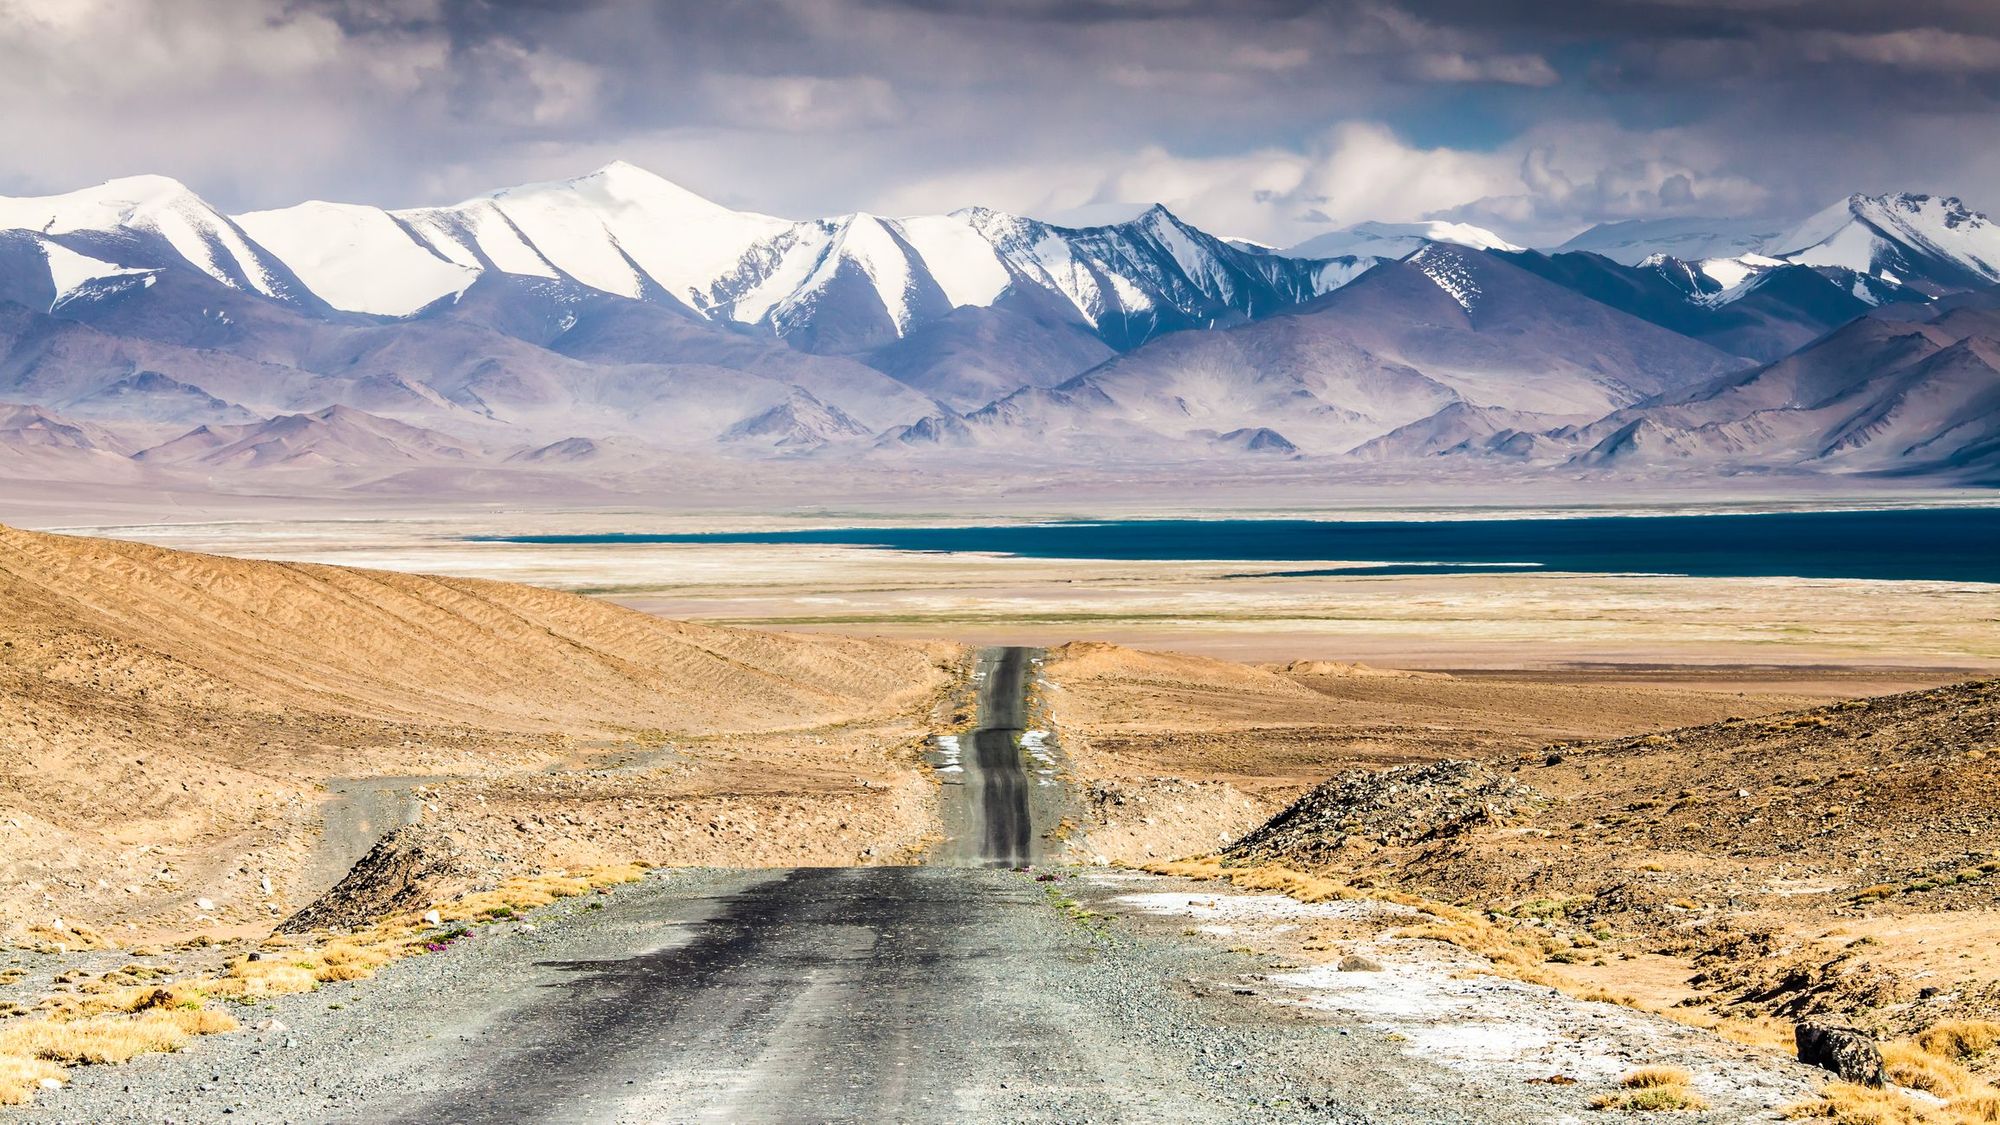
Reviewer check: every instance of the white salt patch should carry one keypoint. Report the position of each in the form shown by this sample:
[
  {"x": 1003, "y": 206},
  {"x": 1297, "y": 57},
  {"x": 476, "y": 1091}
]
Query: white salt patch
[{"x": 1260, "y": 906}]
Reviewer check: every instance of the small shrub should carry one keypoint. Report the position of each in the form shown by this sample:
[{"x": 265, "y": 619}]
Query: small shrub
[
  {"x": 1648, "y": 1077},
  {"x": 20, "y": 1077},
  {"x": 1653, "y": 1089}
]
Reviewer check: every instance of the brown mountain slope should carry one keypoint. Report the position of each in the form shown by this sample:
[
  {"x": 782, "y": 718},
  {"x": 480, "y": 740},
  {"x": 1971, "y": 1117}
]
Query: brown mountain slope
[
  {"x": 172, "y": 718},
  {"x": 400, "y": 646}
]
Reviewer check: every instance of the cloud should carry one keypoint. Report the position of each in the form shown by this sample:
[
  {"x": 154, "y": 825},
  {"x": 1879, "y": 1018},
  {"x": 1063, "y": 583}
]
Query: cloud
[
  {"x": 1264, "y": 118},
  {"x": 1921, "y": 48},
  {"x": 1513, "y": 70}
]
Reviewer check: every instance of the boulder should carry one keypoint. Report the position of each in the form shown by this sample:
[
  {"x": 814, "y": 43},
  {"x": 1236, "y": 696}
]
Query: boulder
[
  {"x": 1848, "y": 1052},
  {"x": 408, "y": 869}
]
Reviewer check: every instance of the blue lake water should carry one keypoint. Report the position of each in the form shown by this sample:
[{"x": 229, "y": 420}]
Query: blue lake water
[{"x": 1944, "y": 544}]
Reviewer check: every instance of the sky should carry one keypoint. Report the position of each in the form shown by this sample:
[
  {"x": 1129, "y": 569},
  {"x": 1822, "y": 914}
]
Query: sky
[{"x": 1265, "y": 119}]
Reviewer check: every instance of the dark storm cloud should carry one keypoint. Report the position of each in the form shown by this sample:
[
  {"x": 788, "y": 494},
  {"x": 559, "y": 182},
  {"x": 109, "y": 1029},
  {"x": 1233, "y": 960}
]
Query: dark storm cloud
[{"x": 1263, "y": 117}]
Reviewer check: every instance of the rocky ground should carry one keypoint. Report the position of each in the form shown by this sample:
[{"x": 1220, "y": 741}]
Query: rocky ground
[{"x": 1840, "y": 860}]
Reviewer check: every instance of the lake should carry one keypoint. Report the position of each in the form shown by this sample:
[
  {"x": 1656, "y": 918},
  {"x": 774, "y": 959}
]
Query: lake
[{"x": 1939, "y": 544}]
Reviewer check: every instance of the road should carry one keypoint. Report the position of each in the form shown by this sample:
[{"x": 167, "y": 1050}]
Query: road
[
  {"x": 993, "y": 809},
  {"x": 854, "y": 994}
]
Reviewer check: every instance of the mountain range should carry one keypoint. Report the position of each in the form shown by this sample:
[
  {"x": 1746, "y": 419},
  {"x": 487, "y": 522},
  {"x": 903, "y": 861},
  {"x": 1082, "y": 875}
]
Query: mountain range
[{"x": 576, "y": 326}]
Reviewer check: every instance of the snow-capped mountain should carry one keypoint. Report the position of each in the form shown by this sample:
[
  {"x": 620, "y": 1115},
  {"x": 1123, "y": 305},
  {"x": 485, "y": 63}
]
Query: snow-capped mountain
[
  {"x": 840, "y": 285},
  {"x": 297, "y": 309},
  {"x": 129, "y": 226},
  {"x": 1755, "y": 307},
  {"x": 1447, "y": 326},
  {"x": 597, "y": 325},
  {"x": 1932, "y": 244},
  {"x": 1396, "y": 240}
]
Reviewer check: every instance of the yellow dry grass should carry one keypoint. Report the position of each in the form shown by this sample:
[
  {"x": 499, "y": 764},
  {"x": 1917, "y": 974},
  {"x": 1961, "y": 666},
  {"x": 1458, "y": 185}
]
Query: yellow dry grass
[
  {"x": 1763, "y": 1033},
  {"x": 1658, "y": 1089},
  {"x": 38, "y": 1050},
  {"x": 67, "y": 936},
  {"x": 1845, "y": 1103},
  {"x": 112, "y": 1025},
  {"x": 528, "y": 892},
  {"x": 1910, "y": 1065},
  {"x": 1961, "y": 1039},
  {"x": 1284, "y": 880},
  {"x": 20, "y": 1077}
]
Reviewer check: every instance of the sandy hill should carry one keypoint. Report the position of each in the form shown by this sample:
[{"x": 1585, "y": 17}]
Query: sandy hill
[{"x": 172, "y": 714}]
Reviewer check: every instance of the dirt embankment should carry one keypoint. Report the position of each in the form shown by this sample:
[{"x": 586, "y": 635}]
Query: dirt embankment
[
  {"x": 1842, "y": 859},
  {"x": 171, "y": 717},
  {"x": 1179, "y": 754}
]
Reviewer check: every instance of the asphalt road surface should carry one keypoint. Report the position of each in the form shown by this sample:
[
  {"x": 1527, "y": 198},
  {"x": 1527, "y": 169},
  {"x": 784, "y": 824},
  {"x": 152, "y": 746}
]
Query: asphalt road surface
[{"x": 991, "y": 804}]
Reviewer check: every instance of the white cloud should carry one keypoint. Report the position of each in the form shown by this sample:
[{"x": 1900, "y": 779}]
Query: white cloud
[
  {"x": 1921, "y": 48},
  {"x": 1353, "y": 172},
  {"x": 1511, "y": 70}
]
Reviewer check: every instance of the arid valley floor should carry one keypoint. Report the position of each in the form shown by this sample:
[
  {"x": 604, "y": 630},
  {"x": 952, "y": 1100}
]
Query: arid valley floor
[{"x": 293, "y": 829}]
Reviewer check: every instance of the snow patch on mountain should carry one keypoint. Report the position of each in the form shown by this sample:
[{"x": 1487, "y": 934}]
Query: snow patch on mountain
[
  {"x": 1449, "y": 273},
  {"x": 1397, "y": 240},
  {"x": 73, "y": 274},
  {"x": 1631, "y": 242}
]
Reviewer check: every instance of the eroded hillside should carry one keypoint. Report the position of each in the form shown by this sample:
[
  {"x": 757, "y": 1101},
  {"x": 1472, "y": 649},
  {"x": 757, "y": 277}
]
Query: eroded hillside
[{"x": 172, "y": 720}]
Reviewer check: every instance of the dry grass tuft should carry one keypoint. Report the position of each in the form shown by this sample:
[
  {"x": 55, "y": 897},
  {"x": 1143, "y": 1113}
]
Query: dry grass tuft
[
  {"x": 1762, "y": 1032},
  {"x": 1653, "y": 1089},
  {"x": 97, "y": 1040},
  {"x": 1961, "y": 1039},
  {"x": 1979, "y": 1109},
  {"x": 1647, "y": 1077},
  {"x": 1910, "y": 1065},
  {"x": 1284, "y": 880},
  {"x": 62, "y": 936},
  {"x": 20, "y": 1077}
]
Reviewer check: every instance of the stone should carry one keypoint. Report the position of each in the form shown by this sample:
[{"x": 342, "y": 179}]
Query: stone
[
  {"x": 408, "y": 868},
  {"x": 1849, "y": 1052}
]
